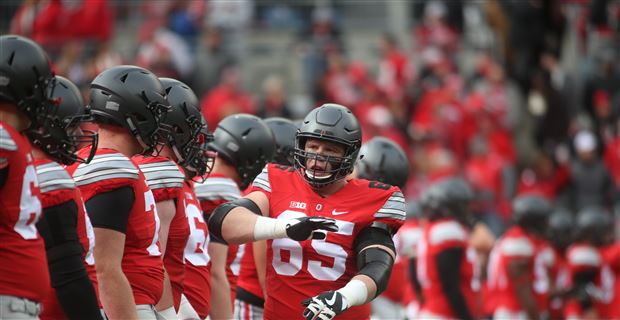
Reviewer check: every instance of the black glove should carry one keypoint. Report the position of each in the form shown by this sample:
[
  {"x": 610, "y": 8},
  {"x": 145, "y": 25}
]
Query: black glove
[
  {"x": 304, "y": 228},
  {"x": 325, "y": 306}
]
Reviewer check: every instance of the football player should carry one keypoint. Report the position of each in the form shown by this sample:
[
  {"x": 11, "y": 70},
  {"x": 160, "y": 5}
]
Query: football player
[
  {"x": 323, "y": 274},
  {"x": 517, "y": 270},
  {"x": 128, "y": 104},
  {"x": 383, "y": 160},
  {"x": 590, "y": 276},
  {"x": 446, "y": 265},
  {"x": 561, "y": 225},
  {"x": 612, "y": 258},
  {"x": 172, "y": 188},
  {"x": 250, "y": 296},
  {"x": 65, "y": 227},
  {"x": 243, "y": 144},
  {"x": 24, "y": 77}
]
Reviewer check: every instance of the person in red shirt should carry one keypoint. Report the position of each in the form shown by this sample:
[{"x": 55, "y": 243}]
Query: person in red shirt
[
  {"x": 250, "y": 297},
  {"x": 64, "y": 226},
  {"x": 330, "y": 238},
  {"x": 385, "y": 161},
  {"x": 517, "y": 270},
  {"x": 590, "y": 277},
  {"x": 244, "y": 144},
  {"x": 226, "y": 99},
  {"x": 128, "y": 104},
  {"x": 446, "y": 265},
  {"x": 184, "y": 147},
  {"x": 612, "y": 156},
  {"x": 24, "y": 278}
]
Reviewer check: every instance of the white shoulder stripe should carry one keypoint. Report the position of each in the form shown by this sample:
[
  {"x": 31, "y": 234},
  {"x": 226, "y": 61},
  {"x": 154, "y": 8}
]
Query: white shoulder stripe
[
  {"x": 49, "y": 186},
  {"x": 262, "y": 184},
  {"x": 105, "y": 166},
  {"x": 212, "y": 197},
  {"x": 393, "y": 208},
  {"x": 101, "y": 175},
  {"x": 512, "y": 247},
  {"x": 225, "y": 188},
  {"x": 584, "y": 256},
  {"x": 163, "y": 175},
  {"x": 262, "y": 180},
  {"x": 52, "y": 177},
  {"x": 6, "y": 142},
  {"x": 219, "y": 181},
  {"x": 447, "y": 231}
]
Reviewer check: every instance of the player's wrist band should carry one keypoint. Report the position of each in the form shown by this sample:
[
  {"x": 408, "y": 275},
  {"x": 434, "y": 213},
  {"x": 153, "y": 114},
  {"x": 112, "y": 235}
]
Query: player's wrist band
[
  {"x": 355, "y": 292},
  {"x": 269, "y": 228}
]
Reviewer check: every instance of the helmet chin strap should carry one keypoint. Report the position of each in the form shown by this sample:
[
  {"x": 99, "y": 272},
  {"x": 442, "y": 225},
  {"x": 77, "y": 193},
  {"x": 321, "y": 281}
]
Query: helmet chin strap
[{"x": 177, "y": 153}]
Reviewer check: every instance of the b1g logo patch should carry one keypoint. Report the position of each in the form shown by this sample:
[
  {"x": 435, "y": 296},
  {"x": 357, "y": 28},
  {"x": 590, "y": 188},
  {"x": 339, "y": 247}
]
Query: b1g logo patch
[{"x": 298, "y": 205}]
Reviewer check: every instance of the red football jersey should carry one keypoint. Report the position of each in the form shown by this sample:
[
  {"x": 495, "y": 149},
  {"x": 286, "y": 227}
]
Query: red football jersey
[
  {"x": 612, "y": 259},
  {"x": 23, "y": 270},
  {"x": 58, "y": 187},
  {"x": 516, "y": 244},
  {"x": 438, "y": 236},
  {"x": 299, "y": 270},
  {"x": 560, "y": 281},
  {"x": 197, "y": 283},
  {"x": 166, "y": 180},
  {"x": 216, "y": 190},
  {"x": 248, "y": 276},
  {"x": 406, "y": 242},
  {"x": 581, "y": 257},
  {"x": 141, "y": 263}
]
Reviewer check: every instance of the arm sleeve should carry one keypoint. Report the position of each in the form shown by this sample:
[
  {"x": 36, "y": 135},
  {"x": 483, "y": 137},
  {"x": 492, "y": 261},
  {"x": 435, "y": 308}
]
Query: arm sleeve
[
  {"x": 447, "y": 261},
  {"x": 110, "y": 210},
  {"x": 413, "y": 275},
  {"x": 75, "y": 291}
]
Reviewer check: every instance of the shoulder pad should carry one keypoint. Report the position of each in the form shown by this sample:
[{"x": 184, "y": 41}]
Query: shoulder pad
[
  {"x": 162, "y": 174},
  {"x": 447, "y": 231},
  {"x": 217, "y": 188},
  {"x": 584, "y": 256},
  {"x": 52, "y": 177},
  {"x": 393, "y": 208},
  {"x": 262, "y": 180},
  {"x": 517, "y": 247},
  {"x": 6, "y": 142},
  {"x": 104, "y": 167},
  {"x": 409, "y": 240},
  {"x": 547, "y": 255}
]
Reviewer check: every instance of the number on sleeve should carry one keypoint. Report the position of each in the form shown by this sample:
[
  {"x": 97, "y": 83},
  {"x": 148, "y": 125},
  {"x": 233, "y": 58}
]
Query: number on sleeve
[
  {"x": 29, "y": 205},
  {"x": 149, "y": 205},
  {"x": 90, "y": 234},
  {"x": 195, "y": 250}
]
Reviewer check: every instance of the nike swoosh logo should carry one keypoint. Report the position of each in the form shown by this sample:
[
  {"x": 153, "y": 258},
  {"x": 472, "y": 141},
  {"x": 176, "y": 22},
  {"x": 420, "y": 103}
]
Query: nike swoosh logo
[
  {"x": 332, "y": 300},
  {"x": 334, "y": 212}
]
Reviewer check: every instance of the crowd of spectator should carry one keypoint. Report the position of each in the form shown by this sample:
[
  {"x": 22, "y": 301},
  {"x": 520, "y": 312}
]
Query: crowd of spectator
[{"x": 516, "y": 96}]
